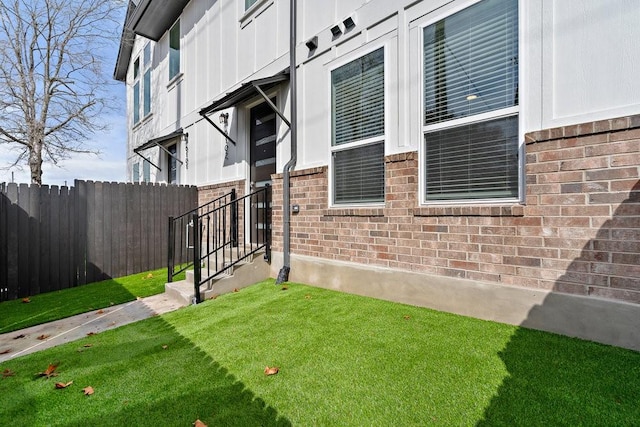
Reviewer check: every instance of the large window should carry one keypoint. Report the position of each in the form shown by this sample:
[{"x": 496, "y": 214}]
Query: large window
[
  {"x": 146, "y": 82},
  {"x": 358, "y": 130},
  {"x": 471, "y": 104},
  {"x": 174, "y": 50}
]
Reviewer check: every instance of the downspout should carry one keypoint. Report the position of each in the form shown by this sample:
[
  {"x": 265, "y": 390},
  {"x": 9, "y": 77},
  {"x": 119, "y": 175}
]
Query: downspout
[{"x": 283, "y": 276}]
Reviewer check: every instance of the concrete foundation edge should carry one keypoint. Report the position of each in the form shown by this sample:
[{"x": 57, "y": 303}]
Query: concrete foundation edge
[{"x": 596, "y": 319}]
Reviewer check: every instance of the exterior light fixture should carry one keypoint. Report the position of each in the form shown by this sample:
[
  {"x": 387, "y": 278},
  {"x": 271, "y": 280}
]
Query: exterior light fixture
[
  {"x": 224, "y": 118},
  {"x": 312, "y": 43},
  {"x": 349, "y": 23}
]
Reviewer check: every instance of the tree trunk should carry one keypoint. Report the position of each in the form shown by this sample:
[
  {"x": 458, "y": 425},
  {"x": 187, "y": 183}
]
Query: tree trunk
[{"x": 35, "y": 163}]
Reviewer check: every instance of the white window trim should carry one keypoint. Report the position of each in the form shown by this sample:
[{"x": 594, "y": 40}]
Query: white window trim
[
  {"x": 145, "y": 68},
  {"x": 136, "y": 81},
  {"x": 482, "y": 117},
  {"x": 178, "y": 75},
  {"x": 344, "y": 60}
]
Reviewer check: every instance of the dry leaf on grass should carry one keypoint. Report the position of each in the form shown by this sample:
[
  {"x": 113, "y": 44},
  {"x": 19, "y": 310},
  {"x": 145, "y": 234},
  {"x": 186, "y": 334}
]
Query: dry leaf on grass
[
  {"x": 284, "y": 287},
  {"x": 26, "y": 300},
  {"x": 90, "y": 334},
  {"x": 43, "y": 337},
  {"x": 7, "y": 373},
  {"x": 236, "y": 290},
  {"x": 271, "y": 371},
  {"x": 199, "y": 423},
  {"x": 63, "y": 385},
  {"x": 148, "y": 276},
  {"x": 7, "y": 351},
  {"x": 88, "y": 391},
  {"x": 50, "y": 371},
  {"x": 307, "y": 296},
  {"x": 407, "y": 317},
  {"x": 164, "y": 347}
]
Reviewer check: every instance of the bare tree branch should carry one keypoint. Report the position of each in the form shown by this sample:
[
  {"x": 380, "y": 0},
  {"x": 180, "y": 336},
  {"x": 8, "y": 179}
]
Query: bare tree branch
[{"x": 53, "y": 92}]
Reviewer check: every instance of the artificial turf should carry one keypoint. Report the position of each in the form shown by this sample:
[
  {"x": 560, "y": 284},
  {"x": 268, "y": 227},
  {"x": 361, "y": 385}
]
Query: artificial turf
[
  {"x": 56, "y": 305},
  {"x": 343, "y": 359}
]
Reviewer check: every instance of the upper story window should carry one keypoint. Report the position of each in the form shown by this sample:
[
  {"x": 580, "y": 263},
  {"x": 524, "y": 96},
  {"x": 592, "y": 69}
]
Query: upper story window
[
  {"x": 358, "y": 130},
  {"x": 249, "y": 3},
  {"x": 174, "y": 50},
  {"x": 136, "y": 91},
  {"x": 471, "y": 104},
  {"x": 146, "y": 83}
]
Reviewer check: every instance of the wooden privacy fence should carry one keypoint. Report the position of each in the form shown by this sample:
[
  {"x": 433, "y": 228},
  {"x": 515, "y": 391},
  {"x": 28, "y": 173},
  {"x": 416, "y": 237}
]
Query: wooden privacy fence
[{"x": 54, "y": 237}]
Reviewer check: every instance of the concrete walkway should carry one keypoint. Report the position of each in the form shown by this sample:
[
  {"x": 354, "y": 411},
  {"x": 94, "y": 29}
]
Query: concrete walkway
[{"x": 40, "y": 337}]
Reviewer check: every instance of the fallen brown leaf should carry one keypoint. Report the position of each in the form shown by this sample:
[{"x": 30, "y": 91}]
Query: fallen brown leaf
[
  {"x": 236, "y": 290},
  {"x": 284, "y": 287},
  {"x": 7, "y": 351},
  {"x": 17, "y": 337},
  {"x": 307, "y": 296},
  {"x": 199, "y": 423},
  {"x": 26, "y": 300},
  {"x": 7, "y": 373},
  {"x": 50, "y": 371},
  {"x": 164, "y": 347},
  {"x": 100, "y": 311},
  {"x": 214, "y": 296},
  {"x": 64, "y": 385},
  {"x": 88, "y": 345},
  {"x": 407, "y": 317},
  {"x": 88, "y": 391},
  {"x": 271, "y": 371},
  {"x": 43, "y": 337},
  {"x": 90, "y": 333}
]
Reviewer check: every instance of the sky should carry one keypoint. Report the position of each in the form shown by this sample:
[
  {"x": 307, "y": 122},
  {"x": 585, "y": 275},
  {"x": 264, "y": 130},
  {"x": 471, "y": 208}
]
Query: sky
[{"x": 110, "y": 165}]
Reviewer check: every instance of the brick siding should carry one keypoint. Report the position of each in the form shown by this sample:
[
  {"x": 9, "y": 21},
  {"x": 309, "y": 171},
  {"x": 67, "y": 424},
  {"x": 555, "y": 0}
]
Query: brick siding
[{"x": 579, "y": 231}]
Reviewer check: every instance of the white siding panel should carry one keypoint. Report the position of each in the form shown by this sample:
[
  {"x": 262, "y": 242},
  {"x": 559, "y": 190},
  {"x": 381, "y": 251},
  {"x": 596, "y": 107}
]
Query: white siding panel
[
  {"x": 266, "y": 31},
  {"x": 591, "y": 60}
]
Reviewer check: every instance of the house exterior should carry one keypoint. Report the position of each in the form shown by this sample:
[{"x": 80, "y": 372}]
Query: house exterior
[{"x": 481, "y": 157}]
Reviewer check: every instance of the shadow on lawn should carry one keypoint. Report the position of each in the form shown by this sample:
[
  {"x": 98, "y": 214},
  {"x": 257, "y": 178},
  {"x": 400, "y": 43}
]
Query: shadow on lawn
[
  {"x": 552, "y": 380},
  {"x": 145, "y": 374}
]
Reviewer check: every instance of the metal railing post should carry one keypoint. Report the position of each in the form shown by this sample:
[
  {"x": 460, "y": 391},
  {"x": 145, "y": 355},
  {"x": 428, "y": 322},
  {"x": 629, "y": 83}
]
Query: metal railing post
[
  {"x": 197, "y": 273},
  {"x": 267, "y": 222},
  {"x": 170, "y": 251},
  {"x": 234, "y": 219}
]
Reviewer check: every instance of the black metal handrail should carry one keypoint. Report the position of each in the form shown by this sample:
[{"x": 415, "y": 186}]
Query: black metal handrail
[
  {"x": 180, "y": 247},
  {"x": 220, "y": 235}
]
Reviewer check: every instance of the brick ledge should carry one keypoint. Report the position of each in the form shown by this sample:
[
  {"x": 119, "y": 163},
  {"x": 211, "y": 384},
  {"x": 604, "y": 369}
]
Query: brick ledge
[{"x": 584, "y": 129}]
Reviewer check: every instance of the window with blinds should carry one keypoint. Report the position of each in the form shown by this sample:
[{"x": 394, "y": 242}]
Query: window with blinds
[
  {"x": 358, "y": 123},
  {"x": 471, "y": 68}
]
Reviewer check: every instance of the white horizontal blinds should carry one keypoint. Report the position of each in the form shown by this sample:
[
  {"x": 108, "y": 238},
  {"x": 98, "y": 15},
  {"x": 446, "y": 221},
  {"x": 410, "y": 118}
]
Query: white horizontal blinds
[
  {"x": 473, "y": 161},
  {"x": 358, "y": 119},
  {"x": 358, "y": 99},
  {"x": 359, "y": 174},
  {"x": 471, "y": 61}
]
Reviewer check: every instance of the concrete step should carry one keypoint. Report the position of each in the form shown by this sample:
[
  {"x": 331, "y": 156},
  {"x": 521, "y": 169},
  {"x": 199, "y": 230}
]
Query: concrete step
[{"x": 245, "y": 273}]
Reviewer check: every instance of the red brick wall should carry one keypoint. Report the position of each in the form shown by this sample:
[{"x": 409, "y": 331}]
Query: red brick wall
[{"x": 579, "y": 231}]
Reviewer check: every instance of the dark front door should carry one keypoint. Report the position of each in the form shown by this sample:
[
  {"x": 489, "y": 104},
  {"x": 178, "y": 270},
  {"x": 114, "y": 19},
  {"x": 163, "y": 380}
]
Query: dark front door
[{"x": 263, "y": 164}]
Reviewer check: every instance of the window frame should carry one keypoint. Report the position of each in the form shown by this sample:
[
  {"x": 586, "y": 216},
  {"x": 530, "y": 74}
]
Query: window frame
[
  {"x": 477, "y": 118},
  {"x": 146, "y": 80},
  {"x": 174, "y": 75},
  {"x": 345, "y": 60},
  {"x": 171, "y": 162},
  {"x": 136, "y": 91}
]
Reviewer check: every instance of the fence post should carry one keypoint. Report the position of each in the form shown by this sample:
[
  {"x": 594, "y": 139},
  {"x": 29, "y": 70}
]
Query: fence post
[
  {"x": 170, "y": 250},
  {"x": 197, "y": 274}
]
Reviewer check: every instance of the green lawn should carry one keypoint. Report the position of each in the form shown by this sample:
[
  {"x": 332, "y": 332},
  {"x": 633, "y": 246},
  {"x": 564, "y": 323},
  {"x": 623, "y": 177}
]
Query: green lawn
[
  {"x": 344, "y": 360},
  {"x": 51, "y": 306}
]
